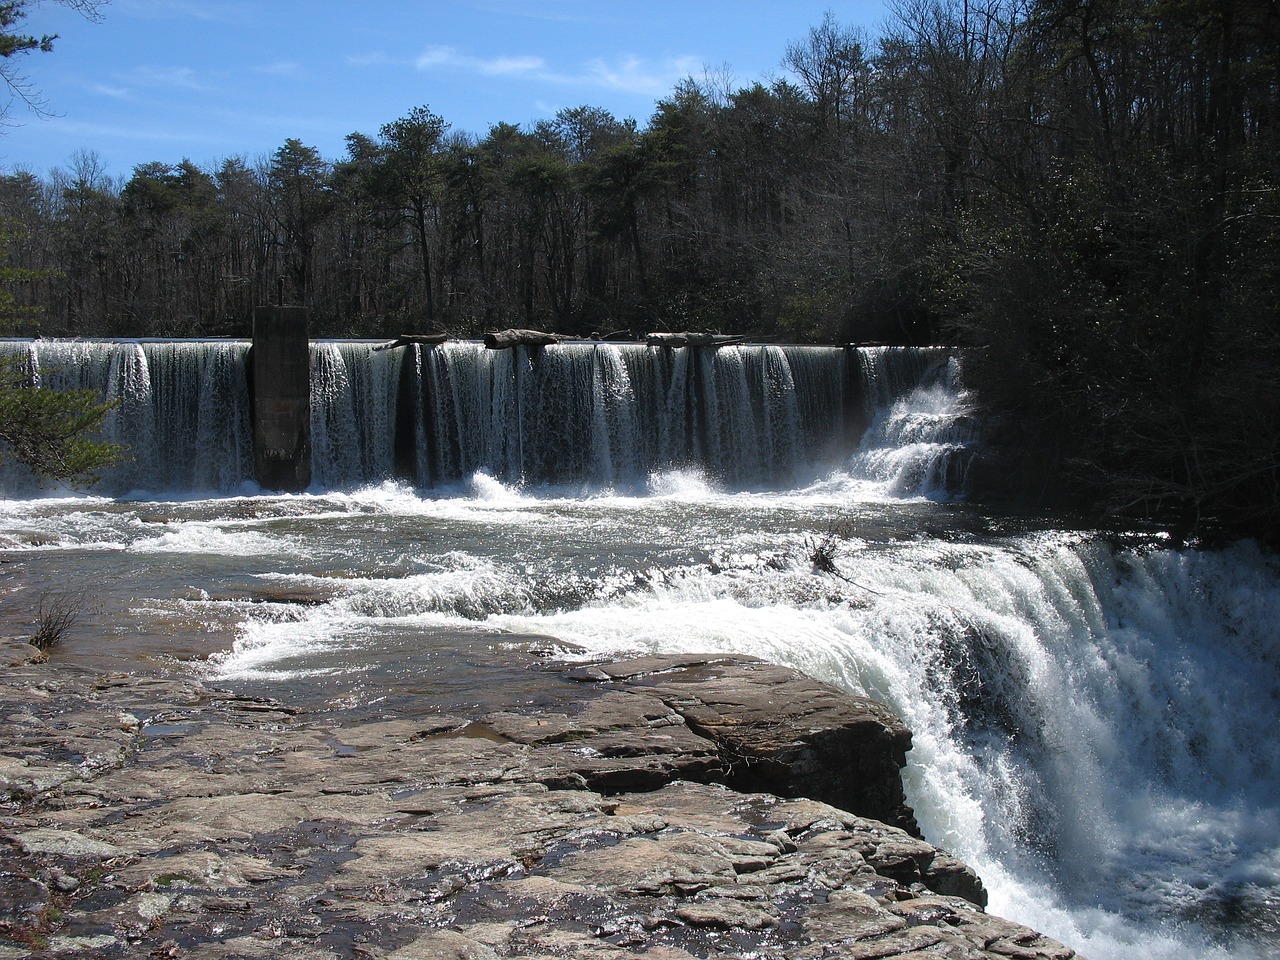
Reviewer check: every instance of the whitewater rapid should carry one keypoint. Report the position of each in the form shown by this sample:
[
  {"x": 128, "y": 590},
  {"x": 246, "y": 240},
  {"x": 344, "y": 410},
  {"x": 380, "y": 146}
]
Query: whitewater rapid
[{"x": 1093, "y": 714}]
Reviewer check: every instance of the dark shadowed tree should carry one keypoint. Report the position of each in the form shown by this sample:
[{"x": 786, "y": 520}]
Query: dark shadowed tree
[
  {"x": 300, "y": 199},
  {"x": 412, "y": 178},
  {"x": 48, "y": 431}
]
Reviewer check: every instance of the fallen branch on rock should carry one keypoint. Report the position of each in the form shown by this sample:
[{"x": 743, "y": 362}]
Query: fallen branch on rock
[
  {"x": 407, "y": 339},
  {"x": 692, "y": 339},
  {"x": 502, "y": 339}
]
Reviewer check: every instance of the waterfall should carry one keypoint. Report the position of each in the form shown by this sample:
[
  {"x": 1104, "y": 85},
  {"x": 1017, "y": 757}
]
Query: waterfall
[
  {"x": 182, "y": 409},
  {"x": 353, "y": 414},
  {"x": 582, "y": 415},
  {"x": 1091, "y": 720},
  {"x": 1091, "y": 710},
  {"x": 922, "y": 437}
]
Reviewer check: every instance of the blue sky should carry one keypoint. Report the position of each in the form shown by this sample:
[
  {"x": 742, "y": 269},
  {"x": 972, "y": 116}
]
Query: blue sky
[{"x": 210, "y": 79}]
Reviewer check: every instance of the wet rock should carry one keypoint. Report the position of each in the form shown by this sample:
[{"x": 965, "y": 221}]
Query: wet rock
[
  {"x": 444, "y": 945},
  {"x": 200, "y": 868},
  {"x": 849, "y": 915},
  {"x": 21, "y": 898},
  {"x": 15, "y": 652},
  {"x": 726, "y": 914},
  {"x": 950, "y": 876},
  {"x": 779, "y": 732},
  {"x": 66, "y": 843},
  {"x": 290, "y": 596},
  {"x": 262, "y": 948},
  {"x": 149, "y": 816},
  {"x": 17, "y": 776},
  {"x": 617, "y": 742},
  {"x": 668, "y": 863},
  {"x": 64, "y": 882},
  {"x": 86, "y": 946}
]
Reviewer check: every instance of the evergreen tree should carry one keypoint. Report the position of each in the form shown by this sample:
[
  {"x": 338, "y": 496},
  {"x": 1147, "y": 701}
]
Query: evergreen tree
[
  {"x": 50, "y": 431},
  {"x": 15, "y": 44}
]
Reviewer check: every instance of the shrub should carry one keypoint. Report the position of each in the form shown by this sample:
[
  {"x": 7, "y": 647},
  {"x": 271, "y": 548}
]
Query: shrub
[{"x": 56, "y": 614}]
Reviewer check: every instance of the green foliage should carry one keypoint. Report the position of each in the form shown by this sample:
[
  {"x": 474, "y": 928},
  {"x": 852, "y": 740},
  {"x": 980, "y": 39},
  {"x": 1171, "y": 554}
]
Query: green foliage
[
  {"x": 12, "y": 44},
  {"x": 50, "y": 430}
]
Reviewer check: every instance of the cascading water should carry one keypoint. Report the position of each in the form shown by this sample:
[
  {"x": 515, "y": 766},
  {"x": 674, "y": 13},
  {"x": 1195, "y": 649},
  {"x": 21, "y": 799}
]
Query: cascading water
[
  {"x": 920, "y": 440},
  {"x": 182, "y": 408},
  {"x": 582, "y": 415},
  {"x": 353, "y": 413},
  {"x": 606, "y": 414},
  {"x": 1091, "y": 710}
]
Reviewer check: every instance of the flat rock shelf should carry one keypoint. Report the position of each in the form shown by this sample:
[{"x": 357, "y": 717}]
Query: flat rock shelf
[{"x": 663, "y": 807}]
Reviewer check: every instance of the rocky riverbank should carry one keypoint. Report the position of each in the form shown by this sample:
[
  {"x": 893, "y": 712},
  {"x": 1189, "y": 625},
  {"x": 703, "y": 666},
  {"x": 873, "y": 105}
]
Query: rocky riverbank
[{"x": 666, "y": 807}]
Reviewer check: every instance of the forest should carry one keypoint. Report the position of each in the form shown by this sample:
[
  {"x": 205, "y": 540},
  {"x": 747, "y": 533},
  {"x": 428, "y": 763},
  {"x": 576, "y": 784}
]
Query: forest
[{"x": 1082, "y": 194}]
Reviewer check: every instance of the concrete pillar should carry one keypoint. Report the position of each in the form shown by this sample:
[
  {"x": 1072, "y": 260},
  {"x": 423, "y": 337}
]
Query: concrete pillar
[{"x": 281, "y": 377}]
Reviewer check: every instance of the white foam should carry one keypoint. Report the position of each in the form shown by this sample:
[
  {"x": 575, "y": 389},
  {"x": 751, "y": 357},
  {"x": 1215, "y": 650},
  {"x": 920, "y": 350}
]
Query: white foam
[
  {"x": 1139, "y": 770},
  {"x": 204, "y": 538},
  {"x": 484, "y": 487},
  {"x": 688, "y": 483},
  {"x": 1090, "y": 725}
]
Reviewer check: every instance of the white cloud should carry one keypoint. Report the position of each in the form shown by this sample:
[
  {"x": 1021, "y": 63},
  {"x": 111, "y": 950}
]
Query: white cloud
[
  {"x": 166, "y": 77},
  {"x": 116, "y": 93},
  {"x": 633, "y": 75},
  {"x": 628, "y": 74},
  {"x": 150, "y": 78},
  {"x": 375, "y": 58},
  {"x": 508, "y": 65},
  {"x": 440, "y": 57},
  {"x": 452, "y": 59}
]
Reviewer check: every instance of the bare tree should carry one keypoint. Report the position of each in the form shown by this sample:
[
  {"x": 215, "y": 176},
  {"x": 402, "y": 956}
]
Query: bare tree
[{"x": 14, "y": 44}]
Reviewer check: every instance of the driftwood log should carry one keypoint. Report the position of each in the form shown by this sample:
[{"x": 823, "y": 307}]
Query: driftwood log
[
  {"x": 692, "y": 339},
  {"x": 423, "y": 339},
  {"x": 502, "y": 339}
]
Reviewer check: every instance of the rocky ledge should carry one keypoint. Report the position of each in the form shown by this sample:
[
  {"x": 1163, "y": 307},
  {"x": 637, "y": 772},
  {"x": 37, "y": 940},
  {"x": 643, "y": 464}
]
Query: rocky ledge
[{"x": 668, "y": 807}]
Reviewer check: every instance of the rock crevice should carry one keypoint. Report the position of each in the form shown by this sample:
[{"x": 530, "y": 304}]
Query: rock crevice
[{"x": 778, "y": 732}]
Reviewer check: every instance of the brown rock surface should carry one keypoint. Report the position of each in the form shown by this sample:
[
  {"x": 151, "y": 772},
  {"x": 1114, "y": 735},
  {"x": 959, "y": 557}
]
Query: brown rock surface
[
  {"x": 152, "y": 816},
  {"x": 780, "y": 732}
]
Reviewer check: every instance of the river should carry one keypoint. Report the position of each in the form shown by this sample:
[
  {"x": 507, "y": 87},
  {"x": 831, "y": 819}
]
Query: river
[{"x": 1094, "y": 711}]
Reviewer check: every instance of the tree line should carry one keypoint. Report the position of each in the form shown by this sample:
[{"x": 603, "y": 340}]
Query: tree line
[
  {"x": 1081, "y": 192},
  {"x": 768, "y": 209}
]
